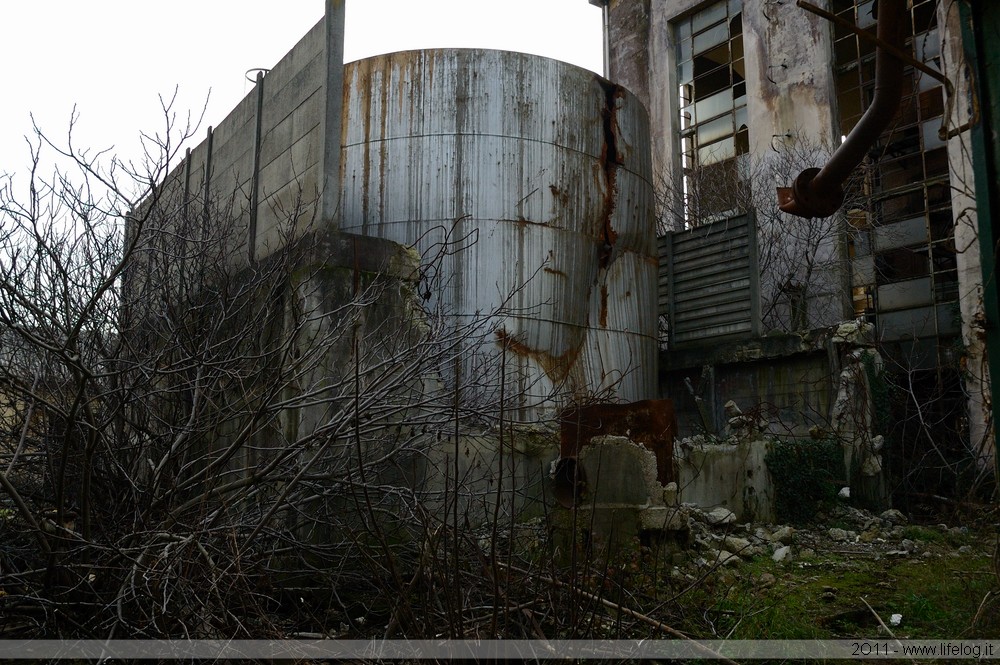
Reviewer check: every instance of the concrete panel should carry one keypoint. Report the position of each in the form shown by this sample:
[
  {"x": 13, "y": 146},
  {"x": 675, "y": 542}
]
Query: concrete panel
[
  {"x": 279, "y": 103},
  {"x": 298, "y": 57},
  {"x": 292, "y": 114},
  {"x": 733, "y": 476},
  {"x": 905, "y": 295},
  {"x": 907, "y": 324},
  {"x": 275, "y": 140},
  {"x": 236, "y": 125},
  {"x": 901, "y": 234}
]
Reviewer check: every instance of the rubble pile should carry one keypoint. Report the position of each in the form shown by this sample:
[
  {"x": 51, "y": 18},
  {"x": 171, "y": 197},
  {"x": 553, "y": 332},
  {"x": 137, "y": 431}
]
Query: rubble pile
[{"x": 718, "y": 541}]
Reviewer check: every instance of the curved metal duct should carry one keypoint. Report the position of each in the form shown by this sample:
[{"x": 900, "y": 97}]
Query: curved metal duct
[{"x": 819, "y": 192}]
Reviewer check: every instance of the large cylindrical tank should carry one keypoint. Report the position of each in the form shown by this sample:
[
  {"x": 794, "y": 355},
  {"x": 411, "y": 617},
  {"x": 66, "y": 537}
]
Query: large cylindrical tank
[{"x": 541, "y": 171}]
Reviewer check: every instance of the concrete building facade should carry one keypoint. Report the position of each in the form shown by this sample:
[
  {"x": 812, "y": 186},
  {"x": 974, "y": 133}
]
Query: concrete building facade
[{"x": 731, "y": 83}]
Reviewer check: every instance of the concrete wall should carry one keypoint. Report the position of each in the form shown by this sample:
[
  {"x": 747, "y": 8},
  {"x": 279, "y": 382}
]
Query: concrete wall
[
  {"x": 291, "y": 144},
  {"x": 621, "y": 503},
  {"x": 734, "y": 476},
  {"x": 292, "y": 140},
  {"x": 789, "y": 378}
]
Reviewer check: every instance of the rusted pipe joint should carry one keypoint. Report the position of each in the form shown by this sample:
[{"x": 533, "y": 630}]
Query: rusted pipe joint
[{"x": 809, "y": 200}]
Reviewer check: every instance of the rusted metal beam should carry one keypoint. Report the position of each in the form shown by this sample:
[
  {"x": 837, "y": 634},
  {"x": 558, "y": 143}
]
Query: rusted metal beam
[{"x": 819, "y": 192}]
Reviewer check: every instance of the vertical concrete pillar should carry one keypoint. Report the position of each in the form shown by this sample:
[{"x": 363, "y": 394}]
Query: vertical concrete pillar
[
  {"x": 640, "y": 48},
  {"x": 964, "y": 198},
  {"x": 627, "y": 42},
  {"x": 333, "y": 118},
  {"x": 979, "y": 24},
  {"x": 255, "y": 186}
]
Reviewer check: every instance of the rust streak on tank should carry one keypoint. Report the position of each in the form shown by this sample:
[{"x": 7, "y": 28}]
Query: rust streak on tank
[
  {"x": 602, "y": 317},
  {"x": 556, "y": 367},
  {"x": 610, "y": 160}
]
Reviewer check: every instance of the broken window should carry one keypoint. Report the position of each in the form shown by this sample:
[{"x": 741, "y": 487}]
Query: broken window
[
  {"x": 713, "y": 113},
  {"x": 910, "y": 225}
]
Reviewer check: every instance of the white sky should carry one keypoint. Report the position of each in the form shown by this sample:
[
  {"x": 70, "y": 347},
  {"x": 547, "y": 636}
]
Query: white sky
[{"x": 113, "y": 58}]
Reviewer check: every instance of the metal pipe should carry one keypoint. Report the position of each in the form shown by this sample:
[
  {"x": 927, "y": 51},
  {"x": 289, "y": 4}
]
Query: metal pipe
[
  {"x": 874, "y": 39},
  {"x": 819, "y": 192}
]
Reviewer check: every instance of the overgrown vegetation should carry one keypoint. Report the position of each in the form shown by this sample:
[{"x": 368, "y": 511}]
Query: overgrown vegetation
[
  {"x": 194, "y": 444},
  {"x": 806, "y": 473}
]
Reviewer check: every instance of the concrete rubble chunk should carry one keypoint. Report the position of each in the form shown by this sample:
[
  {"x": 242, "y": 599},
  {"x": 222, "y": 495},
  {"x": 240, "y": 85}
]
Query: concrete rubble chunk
[
  {"x": 728, "y": 558},
  {"x": 695, "y": 514},
  {"x": 670, "y": 494},
  {"x": 893, "y": 516},
  {"x": 781, "y": 553},
  {"x": 840, "y": 535},
  {"x": 853, "y": 332},
  {"x": 722, "y": 558},
  {"x": 872, "y": 466},
  {"x": 740, "y": 546},
  {"x": 869, "y": 535},
  {"x": 782, "y": 535},
  {"x": 720, "y": 516},
  {"x": 662, "y": 518}
]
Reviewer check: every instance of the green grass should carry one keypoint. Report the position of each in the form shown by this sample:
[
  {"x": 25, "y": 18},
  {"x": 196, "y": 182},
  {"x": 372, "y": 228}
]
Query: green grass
[
  {"x": 938, "y": 599},
  {"x": 935, "y": 536}
]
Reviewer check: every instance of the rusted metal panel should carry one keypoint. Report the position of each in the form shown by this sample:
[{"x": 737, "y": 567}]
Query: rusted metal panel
[
  {"x": 710, "y": 273},
  {"x": 651, "y": 423},
  {"x": 543, "y": 169}
]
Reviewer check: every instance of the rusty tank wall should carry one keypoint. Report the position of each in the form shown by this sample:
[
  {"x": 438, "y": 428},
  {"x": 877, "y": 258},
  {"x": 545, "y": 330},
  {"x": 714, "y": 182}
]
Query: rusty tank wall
[{"x": 541, "y": 171}]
